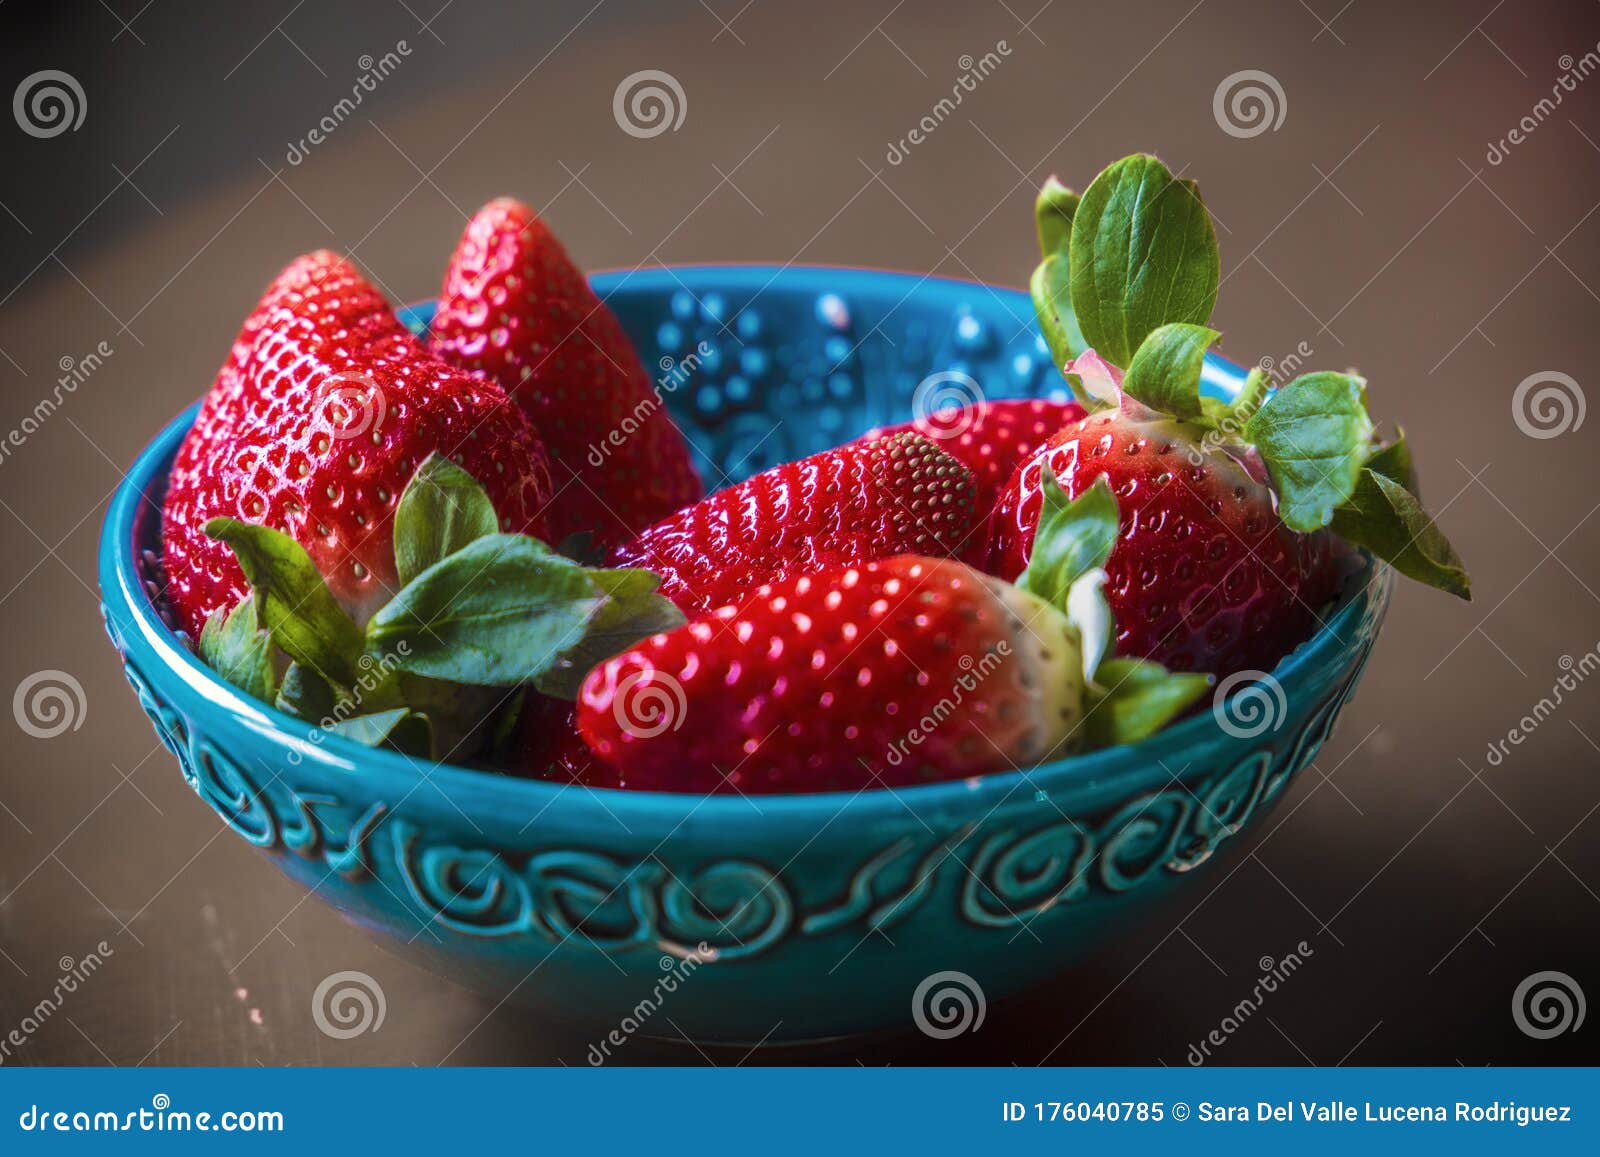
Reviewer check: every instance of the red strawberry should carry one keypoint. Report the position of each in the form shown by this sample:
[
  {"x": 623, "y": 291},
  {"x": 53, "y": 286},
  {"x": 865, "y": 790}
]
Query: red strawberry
[
  {"x": 1204, "y": 575},
  {"x": 990, "y": 438},
  {"x": 342, "y": 295},
  {"x": 515, "y": 307},
  {"x": 889, "y": 673},
  {"x": 317, "y": 422},
  {"x": 858, "y": 502},
  {"x": 546, "y": 745},
  {"x": 1232, "y": 512}
]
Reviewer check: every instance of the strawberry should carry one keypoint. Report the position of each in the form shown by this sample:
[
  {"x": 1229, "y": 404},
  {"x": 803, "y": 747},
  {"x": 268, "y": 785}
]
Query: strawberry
[
  {"x": 990, "y": 438},
  {"x": 886, "y": 673},
  {"x": 322, "y": 277},
  {"x": 812, "y": 682},
  {"x": 546, "y": 745},
  {"x": 323, "y": 411},
  {"x": 1228, "y": 547},
  {"x": 516, "y": 308},
  {"x": 1204, "y": 575},
  {"x": 862, "y": 501},
  {"x": 482, "y": 622}
]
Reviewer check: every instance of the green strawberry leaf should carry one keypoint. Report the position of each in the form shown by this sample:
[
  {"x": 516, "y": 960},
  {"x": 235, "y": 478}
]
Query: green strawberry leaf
[
  {"x": 1074, "y": 537},
  {"x": 305, "y": 695},
  {"x": 1394, "y": 463},
  {"x": 383, "y": 726},
  {"x": 441, "y": 510},
  {"x": 292, "y": 601},
  {"x": 498, "y": 612},
  {"x": 413, "y": 734},
  {"x": 632, "y": 611},
  {"x": 1053, "y": 210},
  {"x": 1132, "y": 699},
  {"x": 460, "y": 717},
  {"x": 1050, "y": 285},
  {"x": 1385, "y": 517},
  {"x": 234, "y": 646},
  {"x": 1142, "y": 254},
  {"x": 1165, "y": 371},
  {"x": 1314, "y": 436}
]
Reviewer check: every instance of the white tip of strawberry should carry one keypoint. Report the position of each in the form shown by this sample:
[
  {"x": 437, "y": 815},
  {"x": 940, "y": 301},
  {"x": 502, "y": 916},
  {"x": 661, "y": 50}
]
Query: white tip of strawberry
[{"x": 1050, "y": 656}]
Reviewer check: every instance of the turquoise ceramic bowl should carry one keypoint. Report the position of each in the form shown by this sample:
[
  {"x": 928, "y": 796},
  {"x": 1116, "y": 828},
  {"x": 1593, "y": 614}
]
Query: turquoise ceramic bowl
[{"x": 820, "y": 914}]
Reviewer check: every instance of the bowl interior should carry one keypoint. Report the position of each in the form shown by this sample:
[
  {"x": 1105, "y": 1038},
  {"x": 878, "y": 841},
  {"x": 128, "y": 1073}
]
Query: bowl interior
[{"x": 762, "y": 365}]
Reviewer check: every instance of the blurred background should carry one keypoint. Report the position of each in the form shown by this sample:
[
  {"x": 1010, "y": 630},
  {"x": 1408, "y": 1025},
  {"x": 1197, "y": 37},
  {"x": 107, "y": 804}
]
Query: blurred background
[{"x": 1411, "y": 189}]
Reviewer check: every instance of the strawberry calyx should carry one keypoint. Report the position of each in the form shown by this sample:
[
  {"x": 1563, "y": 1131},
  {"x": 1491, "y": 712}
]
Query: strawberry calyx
[
  {"x": 479, "y": 615},
  {"x": 1127, "y": 283},
  {"x": 1124, "y": 700}
]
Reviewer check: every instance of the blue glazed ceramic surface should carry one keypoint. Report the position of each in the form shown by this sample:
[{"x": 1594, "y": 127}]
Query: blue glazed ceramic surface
[{"x": 808, "y": 916}]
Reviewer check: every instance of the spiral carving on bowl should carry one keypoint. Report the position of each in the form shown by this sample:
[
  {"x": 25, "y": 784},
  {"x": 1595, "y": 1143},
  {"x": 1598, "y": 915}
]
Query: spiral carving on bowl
[
  {"x": 1015, "y": 878},
  {"x": 742, "y": 908},
  {"x": 246, "y": 808},
  {"x": 168, "y": 723},
  {"x": 736, "y": 908},
  {"x": 1002, "y": 877}
]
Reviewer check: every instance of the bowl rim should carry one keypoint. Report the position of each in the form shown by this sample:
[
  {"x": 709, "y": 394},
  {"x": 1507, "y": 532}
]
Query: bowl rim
[{"x": 1118, "y": 768}]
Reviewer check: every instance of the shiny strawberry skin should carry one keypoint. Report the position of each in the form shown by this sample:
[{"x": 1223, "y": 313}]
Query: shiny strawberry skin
[
  {"x": 323, "y": 411},
  {"x": 852, "y": 504},
  {"x": 515, "y": 307},
  {"x": 319, "y": 285},
  {"x": 815, "y": 684},
  {"x": 1204, "y": 576},
  {"x": 990, "y": 438}
]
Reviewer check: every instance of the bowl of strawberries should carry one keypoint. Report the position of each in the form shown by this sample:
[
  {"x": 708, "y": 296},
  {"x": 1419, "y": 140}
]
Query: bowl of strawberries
[{"x": 775, "y": 642}]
